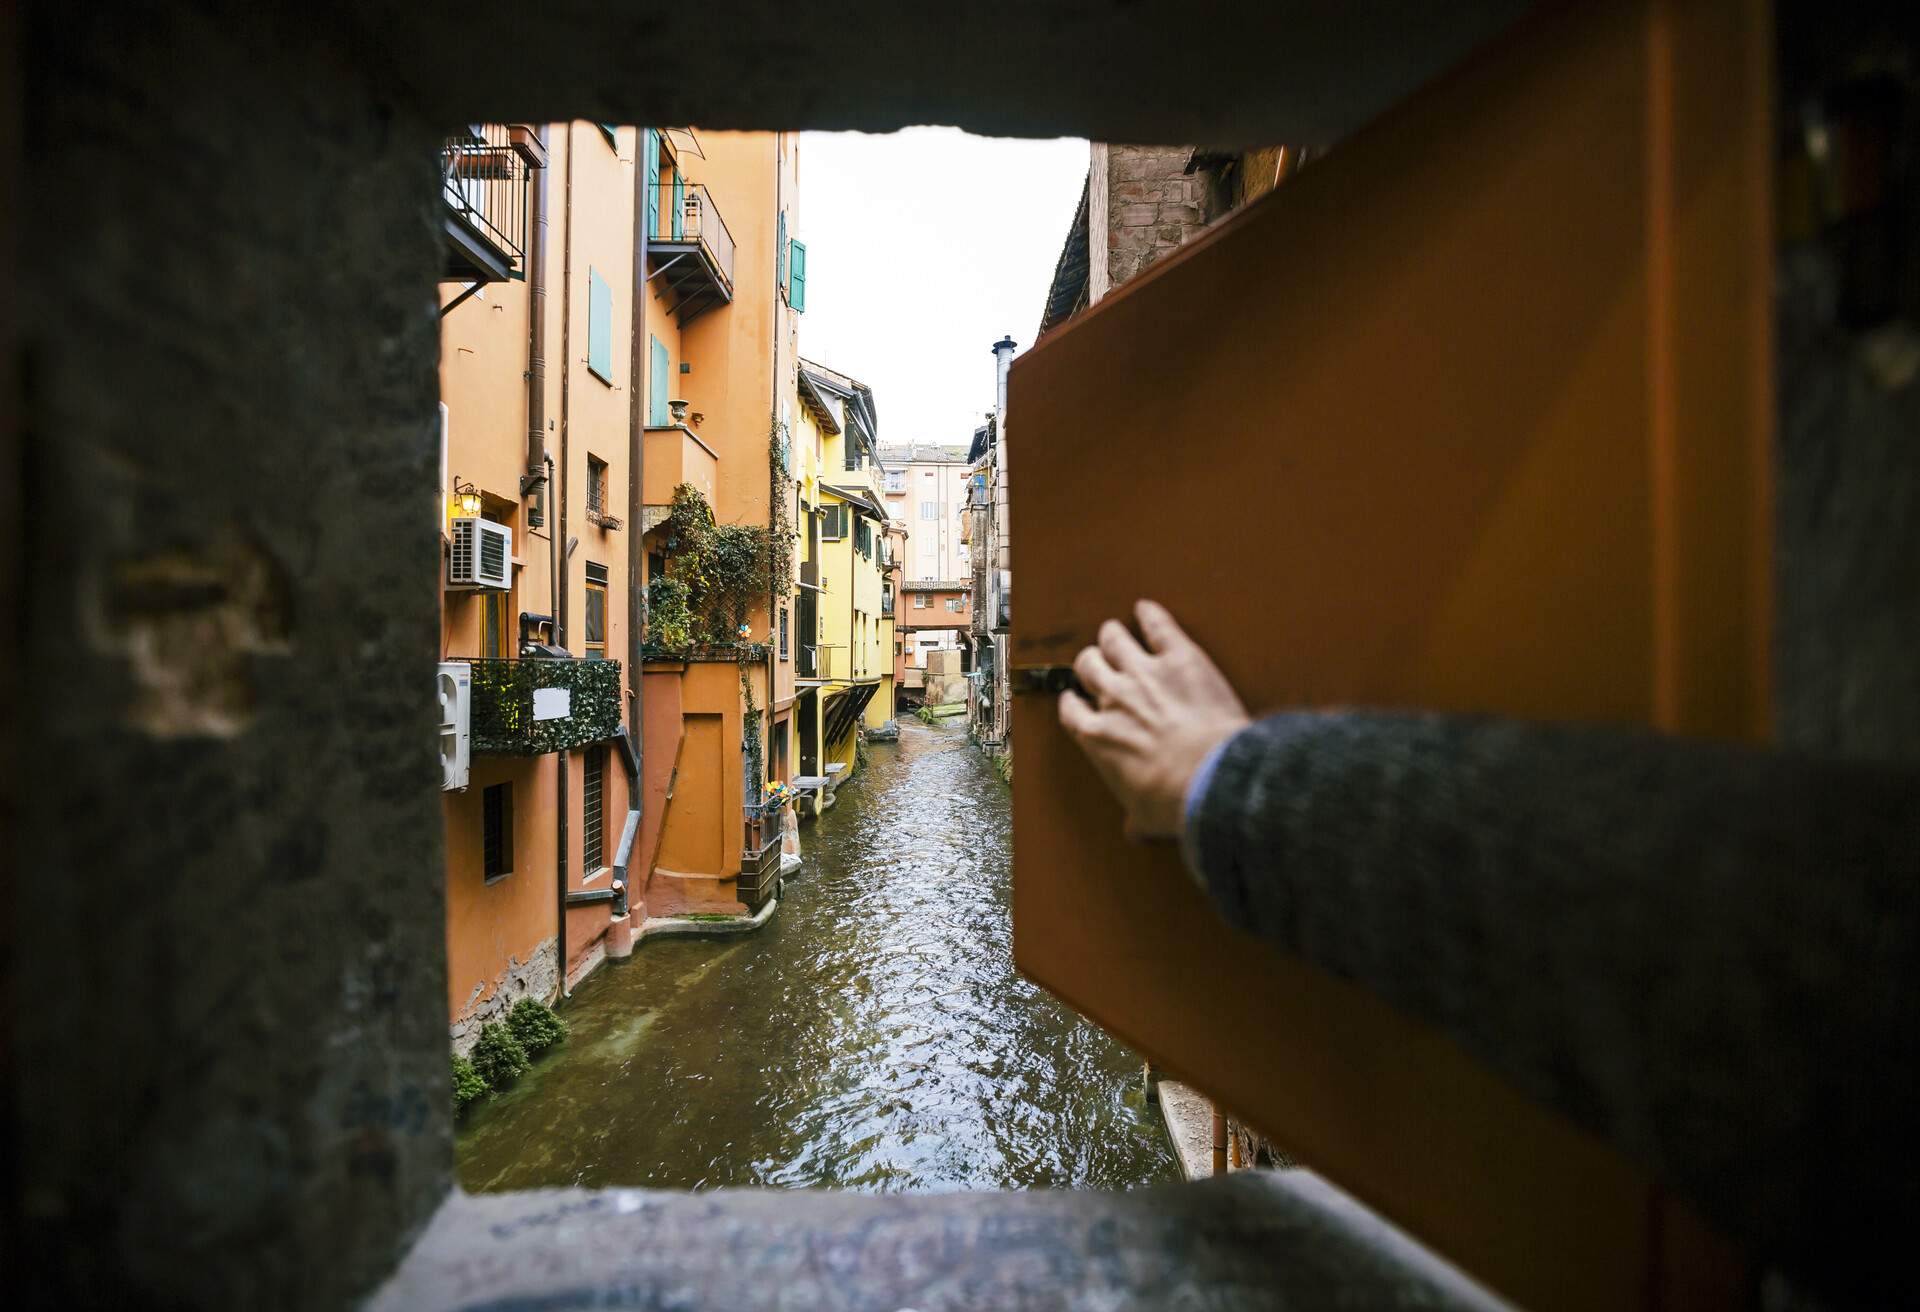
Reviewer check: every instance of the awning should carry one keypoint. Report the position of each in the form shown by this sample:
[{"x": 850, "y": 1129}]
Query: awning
[{"x": 858, "y": 499}]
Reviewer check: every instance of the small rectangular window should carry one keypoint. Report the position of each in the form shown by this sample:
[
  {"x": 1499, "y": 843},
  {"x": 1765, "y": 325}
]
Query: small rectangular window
[
  {"x": 920, "y": 601},
  {"x": 595, "y": 639},
  {"x": 929, "y": 511},
  {"x": 496, "y": 832},
  {"x": 835, "y": 523},
  {"x": 593, "y": 837},
  {"x": 783, "y": 633},
  {"x": 599, "y": 325},
  {"x": 596, "y": 486}
]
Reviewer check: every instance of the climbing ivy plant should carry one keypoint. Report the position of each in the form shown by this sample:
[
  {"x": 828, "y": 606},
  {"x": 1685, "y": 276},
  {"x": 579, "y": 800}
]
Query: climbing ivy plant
[{"x": 715, "y": 573}]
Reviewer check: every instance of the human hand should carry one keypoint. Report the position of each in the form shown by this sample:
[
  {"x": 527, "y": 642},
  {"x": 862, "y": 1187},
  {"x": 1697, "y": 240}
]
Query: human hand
[{"x": 1150, "y": 717}]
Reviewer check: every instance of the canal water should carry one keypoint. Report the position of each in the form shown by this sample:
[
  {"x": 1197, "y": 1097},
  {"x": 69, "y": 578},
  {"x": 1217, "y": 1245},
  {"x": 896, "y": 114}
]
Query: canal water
[{"x": 873, "y": 1036}]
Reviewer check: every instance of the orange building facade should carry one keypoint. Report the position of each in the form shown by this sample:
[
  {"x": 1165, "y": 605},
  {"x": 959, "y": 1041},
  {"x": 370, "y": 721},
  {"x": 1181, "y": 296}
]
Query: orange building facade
[{"x": 616, "y": 323}]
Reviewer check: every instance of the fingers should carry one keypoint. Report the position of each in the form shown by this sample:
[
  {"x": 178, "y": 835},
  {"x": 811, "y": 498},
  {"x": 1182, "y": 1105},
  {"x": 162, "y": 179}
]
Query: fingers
[
  {"x": 1076, "y": 717},
  {"x": 1096, "y": 730},
  {"x": 1162, "y": 632},
  {"x": 1119, "y": 647},
  {"x": 1096, "y": 676}
]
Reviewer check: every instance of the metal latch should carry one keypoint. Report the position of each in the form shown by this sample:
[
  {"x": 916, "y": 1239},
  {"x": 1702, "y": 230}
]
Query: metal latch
[{"x": 1048, "y": 680}]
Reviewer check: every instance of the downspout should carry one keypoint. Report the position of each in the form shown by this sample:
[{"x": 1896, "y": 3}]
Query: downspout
[
  {"x": 559, "y": 552},
  {"x": 633, "y": 744},
  {"x": 537, "y": 462},
  {"x": 773, "y": 418}
]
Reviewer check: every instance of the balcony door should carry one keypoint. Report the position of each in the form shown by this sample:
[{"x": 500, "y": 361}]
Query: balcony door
[{"x": 1471, "y": 414}]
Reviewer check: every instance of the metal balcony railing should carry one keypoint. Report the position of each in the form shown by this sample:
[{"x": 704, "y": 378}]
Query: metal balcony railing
[
  {"x": 532, "y": 706},
  {"x": 690, "y": 248},
  {"x": 484, "y": 181}
]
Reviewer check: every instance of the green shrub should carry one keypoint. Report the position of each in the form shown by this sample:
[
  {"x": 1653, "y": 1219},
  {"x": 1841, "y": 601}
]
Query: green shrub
[
  {"x": 468, "y": 1087},
  {"x": 498, "y": 1057},
  {"x": 534, "y": 1023}
]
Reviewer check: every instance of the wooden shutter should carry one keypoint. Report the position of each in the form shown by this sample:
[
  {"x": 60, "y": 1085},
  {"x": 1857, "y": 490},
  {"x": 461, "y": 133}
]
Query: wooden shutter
[
  {"x": 657, "y": 413},
  {"x": 797, "y": 275},
  {"x": 599, "y": 325},
  {"x": 651, "y": 152},
  {"x": 1473, "y": 413}
]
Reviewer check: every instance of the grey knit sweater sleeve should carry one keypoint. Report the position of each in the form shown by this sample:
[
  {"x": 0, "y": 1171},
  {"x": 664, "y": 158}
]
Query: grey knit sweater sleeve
[{"x": 1708, "y": 956}]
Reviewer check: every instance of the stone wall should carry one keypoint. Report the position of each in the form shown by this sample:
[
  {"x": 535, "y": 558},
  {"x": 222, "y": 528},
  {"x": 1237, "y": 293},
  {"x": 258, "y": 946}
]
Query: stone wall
[
  {"x": 1146, "y": 205},
  {"x": 536, "y": 977}
]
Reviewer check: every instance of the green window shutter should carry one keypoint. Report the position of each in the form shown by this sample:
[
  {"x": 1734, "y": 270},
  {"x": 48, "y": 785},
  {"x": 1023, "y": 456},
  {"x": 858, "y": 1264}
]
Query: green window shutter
[
  {"x": 599, "y": 325},
  {"x": 780, "y": 253},
  {"x": 797, "y": 276},
  {"x": 657, "y": 413},
  {"x": 679, "y": 204},
  {"x": 651, "y": 151}
]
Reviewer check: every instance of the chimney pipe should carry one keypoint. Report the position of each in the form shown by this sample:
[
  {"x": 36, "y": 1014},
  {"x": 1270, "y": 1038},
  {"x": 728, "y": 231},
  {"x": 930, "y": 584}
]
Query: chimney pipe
[{"x": 1002, "y": 360}]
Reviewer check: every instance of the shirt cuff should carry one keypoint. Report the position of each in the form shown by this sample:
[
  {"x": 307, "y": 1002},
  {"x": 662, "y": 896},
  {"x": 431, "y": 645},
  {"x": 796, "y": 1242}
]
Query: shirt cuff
[{"x": 1190, "y": 810}]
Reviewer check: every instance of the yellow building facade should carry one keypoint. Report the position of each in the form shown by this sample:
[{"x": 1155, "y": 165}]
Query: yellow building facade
[{"x": 842, "y": 606}]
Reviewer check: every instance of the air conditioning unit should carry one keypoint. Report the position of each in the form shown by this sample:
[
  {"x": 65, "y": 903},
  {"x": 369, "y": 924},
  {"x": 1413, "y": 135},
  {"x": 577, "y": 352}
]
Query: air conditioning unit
[
  {"x": 482, "y": 555},
  {"x": 455, "y": 683}
]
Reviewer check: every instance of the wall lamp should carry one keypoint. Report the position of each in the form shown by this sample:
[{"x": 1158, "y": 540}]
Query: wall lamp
[{"x": 466, "y": 496}]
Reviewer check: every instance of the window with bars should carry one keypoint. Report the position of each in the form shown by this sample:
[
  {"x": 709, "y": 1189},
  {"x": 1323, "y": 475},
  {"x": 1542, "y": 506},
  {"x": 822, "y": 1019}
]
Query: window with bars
[
  {"x": 593, "y": 834},
  {"x": 596, "y": 486},
  {"x": 783, "y": 633},
  {"x": 496, "y": 832},
  {"x": 595, "y": 640}
]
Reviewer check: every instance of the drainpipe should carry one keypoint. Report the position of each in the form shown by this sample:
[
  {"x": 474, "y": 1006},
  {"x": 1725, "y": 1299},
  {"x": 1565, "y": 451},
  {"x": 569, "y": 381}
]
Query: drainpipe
[
  {"x": 559, "y": 552},
  {"x": 537, "y": 333},
  {"x": 636, "y": 494}
]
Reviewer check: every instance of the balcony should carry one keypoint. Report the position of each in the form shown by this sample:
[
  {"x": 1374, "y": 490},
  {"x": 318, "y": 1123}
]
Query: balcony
[
  {"x": 534, "y": 706},
  {"x": 688, "y": 249},
  {"x": 674, "y": 455},
  {"x": 485, "y": 175}
]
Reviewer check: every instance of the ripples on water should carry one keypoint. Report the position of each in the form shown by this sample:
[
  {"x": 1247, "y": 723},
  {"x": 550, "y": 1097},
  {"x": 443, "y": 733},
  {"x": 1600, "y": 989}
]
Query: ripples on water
[{"x": 873, "y": 1036}]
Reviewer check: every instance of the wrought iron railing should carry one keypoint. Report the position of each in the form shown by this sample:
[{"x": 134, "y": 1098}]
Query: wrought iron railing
[
  {"x": 484, "y": 182},
  {"x": 686, "y": 212},
  {"x": 532, "y": 706}
]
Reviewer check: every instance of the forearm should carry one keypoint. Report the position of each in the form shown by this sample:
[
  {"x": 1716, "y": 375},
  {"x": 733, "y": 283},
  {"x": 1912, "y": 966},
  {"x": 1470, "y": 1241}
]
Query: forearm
[{"x": 1694, "y": 951}]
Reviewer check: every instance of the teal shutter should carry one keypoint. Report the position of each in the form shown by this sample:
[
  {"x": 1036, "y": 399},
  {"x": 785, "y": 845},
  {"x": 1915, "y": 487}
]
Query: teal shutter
[
  {"x": 679, "y": 204},
  {"x": 656, "y": 382},
  {"x": 797, "y": 275},
  {"x": 599, "y": 325},
  {"x": 651, "y": 151}
]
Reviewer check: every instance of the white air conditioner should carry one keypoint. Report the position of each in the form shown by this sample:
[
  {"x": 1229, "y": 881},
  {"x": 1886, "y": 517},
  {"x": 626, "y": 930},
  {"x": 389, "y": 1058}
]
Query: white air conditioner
[
  {"x": 482, "y": 555},
  {"x": 455, "y": 683}
]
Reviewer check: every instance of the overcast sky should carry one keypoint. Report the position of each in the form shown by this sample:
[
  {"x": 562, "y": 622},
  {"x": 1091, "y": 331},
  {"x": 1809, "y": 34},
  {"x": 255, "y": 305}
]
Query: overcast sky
[{"x": 925, "y": 247}]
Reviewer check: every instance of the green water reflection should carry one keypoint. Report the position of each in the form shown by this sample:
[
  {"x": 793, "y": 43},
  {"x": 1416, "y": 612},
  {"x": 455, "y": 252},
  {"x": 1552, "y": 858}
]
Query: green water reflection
[{"x": 874, "y": 1036}]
